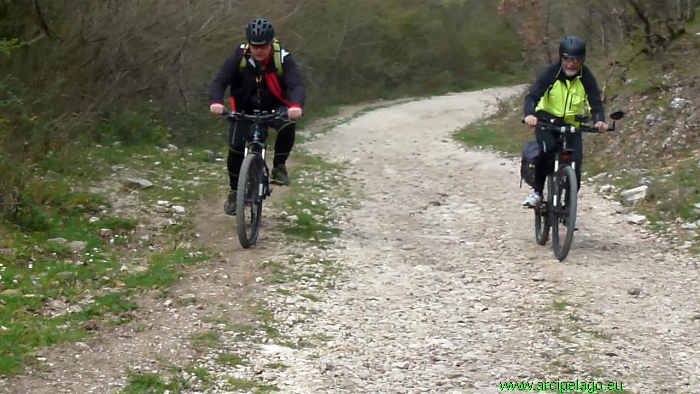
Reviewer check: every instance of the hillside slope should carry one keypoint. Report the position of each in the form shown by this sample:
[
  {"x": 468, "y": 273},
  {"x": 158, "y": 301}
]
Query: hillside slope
[{"x": 656, "y": 146}]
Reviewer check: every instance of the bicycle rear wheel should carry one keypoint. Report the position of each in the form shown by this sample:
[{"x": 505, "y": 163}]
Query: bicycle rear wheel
[
  {"x": 542, "y": 216},
  {"x": 249, "y": 200},
  {"x": 564, "y": 213}
]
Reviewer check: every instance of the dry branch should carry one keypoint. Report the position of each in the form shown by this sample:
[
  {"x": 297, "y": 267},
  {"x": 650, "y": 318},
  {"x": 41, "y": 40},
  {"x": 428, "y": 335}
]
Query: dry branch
[{"x": 612, "y": 69}]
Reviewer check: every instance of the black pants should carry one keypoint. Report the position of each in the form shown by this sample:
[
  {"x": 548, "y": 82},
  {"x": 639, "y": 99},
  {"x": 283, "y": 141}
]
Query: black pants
[
  {"x": 545, "y": 163},
  {"x": 239, "y": 132}
]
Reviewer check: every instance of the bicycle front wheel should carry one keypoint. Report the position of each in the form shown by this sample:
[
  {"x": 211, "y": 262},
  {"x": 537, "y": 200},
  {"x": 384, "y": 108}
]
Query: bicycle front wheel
[
  {"x": 564, "y": 212},
  {"x": 249, "y": 200}
]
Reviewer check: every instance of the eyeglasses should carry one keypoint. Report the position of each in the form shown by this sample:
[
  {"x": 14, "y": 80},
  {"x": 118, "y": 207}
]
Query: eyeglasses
[
  {"x": 571, "y": 59},
  {"x": 259, "y": 46}
]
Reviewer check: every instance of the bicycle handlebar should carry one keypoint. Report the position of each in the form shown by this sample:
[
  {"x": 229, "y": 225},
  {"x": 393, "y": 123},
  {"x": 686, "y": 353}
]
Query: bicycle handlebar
[
  {"x": 263, "y": 116},
  {"x": 571, "y": 129}
]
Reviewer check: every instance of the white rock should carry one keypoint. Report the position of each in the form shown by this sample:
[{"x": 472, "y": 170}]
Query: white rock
[
  {"x": 637, "y": 219},
  {"x": 689, "y": 226},
  {"x": 632, "y": 196},
  {"x": 678, "y": 103},
  {"x": 78, "y": 246},
  {"x": 607, "y": 188},
  {"x": 138, "y": 183}
]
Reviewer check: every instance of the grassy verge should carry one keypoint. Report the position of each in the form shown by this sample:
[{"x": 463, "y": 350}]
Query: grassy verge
[
  {"x": 501, "y": 131},
  {"x": 306, "y": 209},
  {"x": 88, "y": 243}
]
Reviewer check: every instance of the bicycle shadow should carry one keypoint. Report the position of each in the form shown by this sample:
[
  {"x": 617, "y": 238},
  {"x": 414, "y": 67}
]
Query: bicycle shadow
[{"x": 602, "y": 243}]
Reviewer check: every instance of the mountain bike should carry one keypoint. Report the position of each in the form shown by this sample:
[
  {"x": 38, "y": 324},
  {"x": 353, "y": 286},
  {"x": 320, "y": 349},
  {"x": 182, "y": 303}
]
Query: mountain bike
[
  {"x": 559, "y": 202},
  {"x": 254, "y": 176}
]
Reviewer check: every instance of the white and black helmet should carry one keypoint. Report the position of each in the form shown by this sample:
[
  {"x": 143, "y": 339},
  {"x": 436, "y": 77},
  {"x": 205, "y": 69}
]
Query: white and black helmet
[{"x": 260, "y": 31}]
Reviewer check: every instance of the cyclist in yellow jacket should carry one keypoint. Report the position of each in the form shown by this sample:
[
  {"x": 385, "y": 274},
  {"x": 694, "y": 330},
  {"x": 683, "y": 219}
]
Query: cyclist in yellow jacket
[{"x": 561, "y": 91}]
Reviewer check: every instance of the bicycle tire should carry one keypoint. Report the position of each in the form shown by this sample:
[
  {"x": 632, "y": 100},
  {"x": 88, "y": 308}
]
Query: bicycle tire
[
  {"x": 561, "y": 250},
  {"x": 542, "y": 217},
  {"x": 249, "y": 175}
]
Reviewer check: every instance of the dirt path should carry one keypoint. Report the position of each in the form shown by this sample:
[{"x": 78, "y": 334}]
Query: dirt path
[
  {"x": 443, "y": 289},
  {"x": 449, "y": 293},
  {"x": 160, "y": 333}
]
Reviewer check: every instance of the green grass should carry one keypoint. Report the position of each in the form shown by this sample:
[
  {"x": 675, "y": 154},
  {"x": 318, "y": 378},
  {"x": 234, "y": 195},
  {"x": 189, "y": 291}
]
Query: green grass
[
  {"x": 674, "y": 193},
  {"x": 311, "y": 297},
  {"x": 48, "y": 291},
  {"x": 560, "y": 305},
  {"x": 322, "y": 337},
  {"x": 186, "y": 301},
  {"x": 245, "y": 384},
  {"x": 284, "y": 292},
  {"x": 168, "y": 379},
  {"x": 270, "y": 331},
  {"x": 243, "y": 330},
  {"x": 148, "y": 383},
  {"x": 501, "y": 131},
  {"x": 208, "y": 339},
  {"x": 305, "y": 200},
  {"x": 645, "y": 75},
  {"x": 164, "y": 270},
  {"x": 671, "y": 195},
  {"x": 313, "y": 115},
  {"x": 486, "y": 135},
  {"x": 242, "y": 384},
  {"x": 232, "y": 360},
  {"x": 28, "y": 319},
  {"x": 201, "y": 374}
]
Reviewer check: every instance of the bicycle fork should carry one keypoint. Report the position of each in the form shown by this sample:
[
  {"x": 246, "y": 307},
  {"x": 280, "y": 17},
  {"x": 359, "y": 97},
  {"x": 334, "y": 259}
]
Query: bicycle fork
[
  {"x": 262, "y": 154},
  {"x": 555, "y": 174},
  {"x": 263, "y": 186},
  {"x": 555, "y": 181}
]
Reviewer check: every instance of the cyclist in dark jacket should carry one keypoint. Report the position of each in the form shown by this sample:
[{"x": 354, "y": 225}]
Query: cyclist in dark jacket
[
  {"x": 261, "y": 75},
  {"x": 561, "y": 91}
]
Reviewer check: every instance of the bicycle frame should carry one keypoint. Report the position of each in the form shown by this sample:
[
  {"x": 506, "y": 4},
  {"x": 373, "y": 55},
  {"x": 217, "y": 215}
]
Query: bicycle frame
[
  {"x": 562, "y": 158},
  {"x": 258, "y": 144}
]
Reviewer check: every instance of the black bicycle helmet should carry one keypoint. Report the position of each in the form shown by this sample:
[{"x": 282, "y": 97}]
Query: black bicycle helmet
[
  {"x": 573, "y": 47},
  {"x": 260, "y": 31}
]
